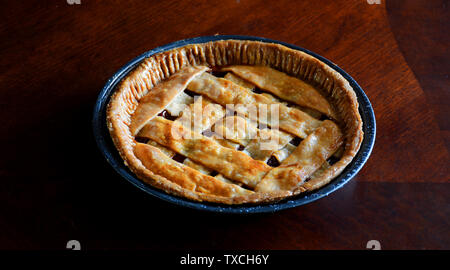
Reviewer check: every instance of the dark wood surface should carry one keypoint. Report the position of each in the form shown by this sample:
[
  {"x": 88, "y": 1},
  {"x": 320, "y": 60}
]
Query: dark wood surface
[{"x": 56, "y": 186}]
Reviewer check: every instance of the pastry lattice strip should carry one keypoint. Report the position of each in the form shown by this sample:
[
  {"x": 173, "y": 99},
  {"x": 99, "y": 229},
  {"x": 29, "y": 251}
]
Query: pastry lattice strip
[
  {"x": 184, "y": 176},
  {"x": 161, "y": 96},
  {"x": 227, "y": 161},
  {"x": 183, "y": 109},
  {"x": 169, "y": 97},
  {"x": 252, "y": 146},
  {"x": 225, "y": 92},
  {"x": 260, "y": 144},
  {"x": 233, "y": 164},
  {"x": 284, "y": 86},
  {"x": 305, "y": 160},
  {"x": 257, "y": 148},
  {"x": 242, "y": 82}
]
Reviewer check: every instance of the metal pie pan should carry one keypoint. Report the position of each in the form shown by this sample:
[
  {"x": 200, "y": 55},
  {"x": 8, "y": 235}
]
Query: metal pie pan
[{"x": 111, "y": 154}]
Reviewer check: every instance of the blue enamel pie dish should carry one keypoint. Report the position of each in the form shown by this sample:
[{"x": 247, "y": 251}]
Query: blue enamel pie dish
[{"x": 111, "y": 154}]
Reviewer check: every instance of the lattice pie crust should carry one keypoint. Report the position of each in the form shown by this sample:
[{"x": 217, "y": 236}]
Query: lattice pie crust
[{"x": 319, "y": 130}]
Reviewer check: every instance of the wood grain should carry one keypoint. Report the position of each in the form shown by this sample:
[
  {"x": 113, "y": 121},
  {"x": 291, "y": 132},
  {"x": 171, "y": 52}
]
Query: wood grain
[
  {"x": 56, "y": 186},
  {"x": 428, "y": 56}
]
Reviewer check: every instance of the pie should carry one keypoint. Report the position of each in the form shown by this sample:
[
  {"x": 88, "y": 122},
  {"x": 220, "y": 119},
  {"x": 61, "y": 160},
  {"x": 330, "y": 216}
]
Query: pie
[{"x": 235, "y": 122}]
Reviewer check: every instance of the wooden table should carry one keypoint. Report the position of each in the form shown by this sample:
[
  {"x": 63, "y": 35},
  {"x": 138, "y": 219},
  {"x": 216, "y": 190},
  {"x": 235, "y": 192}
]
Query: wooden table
[{"x": 56, "y": 186}]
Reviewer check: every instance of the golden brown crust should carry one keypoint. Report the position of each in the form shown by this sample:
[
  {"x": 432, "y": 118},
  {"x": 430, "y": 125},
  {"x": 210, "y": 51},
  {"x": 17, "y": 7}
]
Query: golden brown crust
[
  {"x": 161, "y": 96},
  {"x": 226, "y": 92},
  {"x": 229, "y": 162},
  {"x": 295, "y": 63},
  {"x": 284, "y": 86},
  {"x": 306, "y": 159},
  {"x": 184, "y": 176}
]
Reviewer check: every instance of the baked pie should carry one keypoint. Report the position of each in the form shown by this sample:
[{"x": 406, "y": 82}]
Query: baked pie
[{"x": 235, "y": 122}]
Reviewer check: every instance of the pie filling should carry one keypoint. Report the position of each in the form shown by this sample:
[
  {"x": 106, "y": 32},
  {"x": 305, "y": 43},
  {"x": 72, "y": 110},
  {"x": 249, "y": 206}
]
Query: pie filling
[{"x": 208, "y": 131}]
